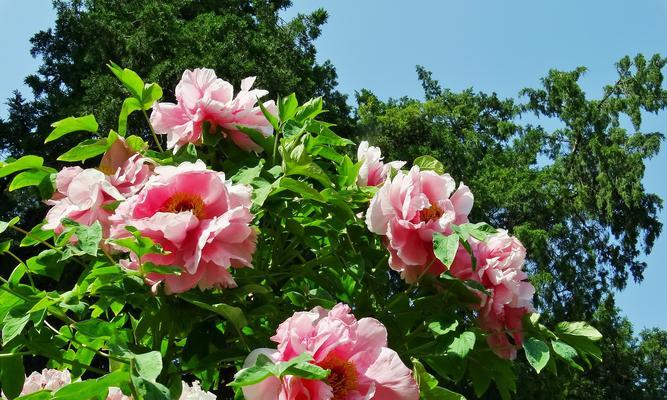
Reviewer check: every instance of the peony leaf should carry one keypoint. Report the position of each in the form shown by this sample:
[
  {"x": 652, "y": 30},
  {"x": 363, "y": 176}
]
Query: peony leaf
[
  {"x": 428, "y": 163},
  {"x": 445, "y": 247},
  {"x": 537, "y": 353},
  {"x": 23, "y": 163},
  {"x": 86, "y": 123}
]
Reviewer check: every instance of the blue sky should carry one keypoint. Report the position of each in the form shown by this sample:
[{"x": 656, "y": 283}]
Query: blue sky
[{"x": 499, "y": 46}]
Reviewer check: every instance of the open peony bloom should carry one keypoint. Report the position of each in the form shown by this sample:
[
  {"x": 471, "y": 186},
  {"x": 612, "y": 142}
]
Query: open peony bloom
[
  {"x": 81, "y": 195},
  {"x": 500, "y": 259},
  {"x": 373, "y": 171},
  {"x": 201, "y": 220},
  {"x": 356, "y": 353},
  {"x": 408, "y": 208},
  {"x": 201, "y": 96}
]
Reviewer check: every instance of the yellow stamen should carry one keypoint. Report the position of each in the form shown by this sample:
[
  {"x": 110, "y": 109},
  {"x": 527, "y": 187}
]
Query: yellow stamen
[{"x": 182, "y": 201}]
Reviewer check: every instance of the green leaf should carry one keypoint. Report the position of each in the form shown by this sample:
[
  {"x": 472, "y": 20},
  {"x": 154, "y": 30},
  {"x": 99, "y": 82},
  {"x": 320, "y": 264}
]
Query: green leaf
[
  {"x": 130, "y": 105},
  {"x": 88, "y": 239},
  {"x": 303, "y": 189},
  {"x": 87, "y": 149},
  {"x": 47, "y": 263},
  {"x": 445, "y": 247},
  {"x": 138, "y": 244},
  {"x": 247, "y": 175},
  {"x": 537, "y": 353},
  {"x": 310, "y": 109},
  {"x": 23, "y": 163},
  {"x": 254, "y": 374},
  {"x": 269, "y": 117},
  {"x": 230, "y": 313},
  {"x": 258, "y": 137},
  {"x": 310, "y": 170},
  {"x": 86, "y": 123},
  {"x": 32, "y": 177},
  {"x": 428, "y": 163},
  {"x": 462, "y": 344},
  {"x": 36, "y": 235},
  {"x": 149, "y": 267},
  {"x": 148, "y": 390},
  {"x": 4, "y": 225},
  {"x": 92, "y": 388},
  {"x": 12, "y": 375},
  {"x": 5, "y": 246},
  {"x": 428, "y": 385},
  {"x": 129, "y": 79},
  {"x": 287, "y": 107},
  {"x": 136, "y": 143},
  {"x": 13, "y": 324},
  {"x": 347, "y": 172},
  {"x": 439, "y": 329},
  {"x": 578, "y": 329},
  {"x": 151, "y": 93},
  {"x": 566, "y": 352},
  {"x": 39, "y": 395},
  {"x": 148, "y": 365},
  {"x": 95, "y": 328}
]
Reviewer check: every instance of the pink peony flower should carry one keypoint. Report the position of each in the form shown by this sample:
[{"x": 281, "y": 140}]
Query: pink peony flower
[
  {"x": 373, "y": 171},
  {"x": 356, "y": 353},
  {"x": 201, "y": 96},
  {"x": 408, "y": 208},
  {"x": 500, "y": 261},
  {"x": 201, "y": 220},
  {"x": 81, "y": 195},
  {"x": 49, "y": 379}
]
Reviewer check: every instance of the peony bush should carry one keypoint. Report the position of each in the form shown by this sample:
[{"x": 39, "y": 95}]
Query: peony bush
[{"x": 237, "y": 248}]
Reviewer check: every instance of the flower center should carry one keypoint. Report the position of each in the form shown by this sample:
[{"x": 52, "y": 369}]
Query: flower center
[
  {"x": 432, "y": 213},
  {"x": 343, "y": 376},
  {"x": 181, "y": 201}
]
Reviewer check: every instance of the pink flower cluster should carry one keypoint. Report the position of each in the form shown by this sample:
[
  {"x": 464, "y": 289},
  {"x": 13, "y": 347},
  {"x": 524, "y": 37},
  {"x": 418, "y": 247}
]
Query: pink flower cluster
[
  {"x": 373, "y": 171},
  {"x": 408, "y": 209},
  {"x": 199, "y": 218},
  {"x": 84, "y": 195},
  {"x": 201, "y": 221},
  {"x": 356, "y": 353},
  {"x": 500, "y": 260},
  {"x": 52, "y": 379},
  {"x": 203, "y": 97}
]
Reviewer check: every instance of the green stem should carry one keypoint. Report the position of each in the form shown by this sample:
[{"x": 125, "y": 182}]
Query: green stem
[
  {"x": 20, "y": 353},
  {"x": 14, "y": 256},
  {"x": 150, "y": 126},
  {"x": 275, "y": 147},
  {"x": 44, "y": 242}
]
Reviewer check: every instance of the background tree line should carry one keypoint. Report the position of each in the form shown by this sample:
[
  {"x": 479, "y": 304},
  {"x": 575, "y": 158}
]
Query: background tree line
[{"x": 573, "y": 195}]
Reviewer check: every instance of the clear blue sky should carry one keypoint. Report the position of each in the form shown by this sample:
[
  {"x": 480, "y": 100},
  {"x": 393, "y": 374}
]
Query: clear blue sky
[{"x": 499, "y": 46}]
